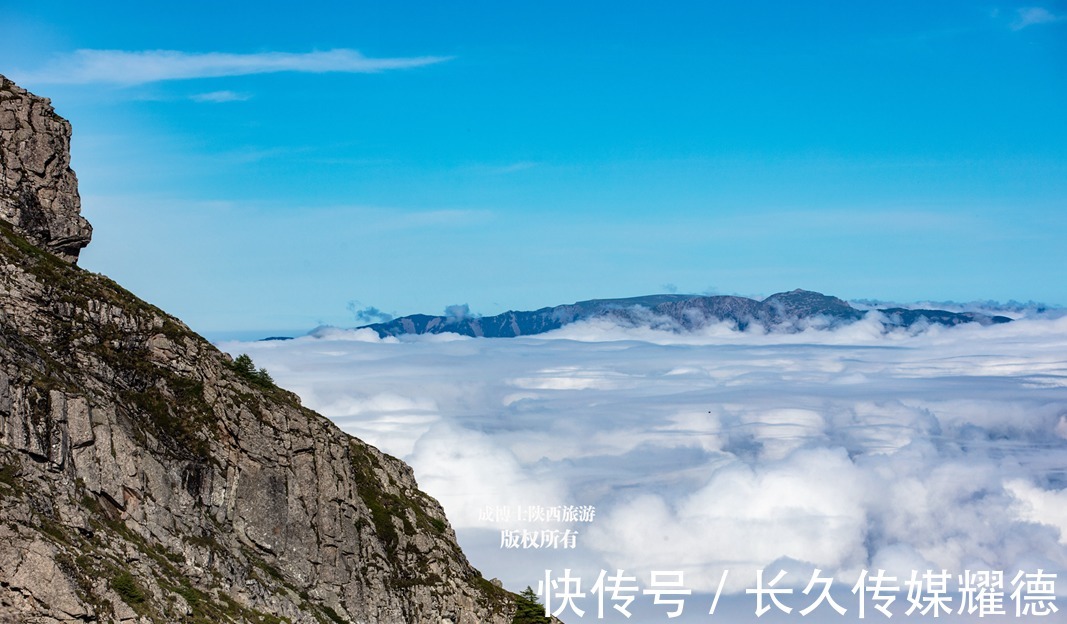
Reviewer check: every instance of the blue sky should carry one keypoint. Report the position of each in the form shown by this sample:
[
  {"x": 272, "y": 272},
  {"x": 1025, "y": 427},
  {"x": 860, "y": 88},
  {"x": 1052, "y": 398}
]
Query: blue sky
[{"x": 272, "y": 169}]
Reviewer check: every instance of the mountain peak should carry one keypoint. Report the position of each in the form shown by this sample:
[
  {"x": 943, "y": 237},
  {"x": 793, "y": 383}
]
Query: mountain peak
[
  {"x": 38, "y": 189},
  {"x": 811, "y": 303}
]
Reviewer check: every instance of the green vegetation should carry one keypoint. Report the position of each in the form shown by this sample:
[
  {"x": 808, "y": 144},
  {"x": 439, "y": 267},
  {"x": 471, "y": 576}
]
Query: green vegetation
[
  {"x": 208, "y": 607},
  {"x": 494, "y": 597},
  {"x": 192, "y": 597},
  {"x": 383, "y": 505},
  {"x": 176, "y": 413},
  {"x": 9, "y": 474},
  {"x": 269, "y": 570},
  {"x": 48, "y": 525},
  {"x": 529, "y": 609},
  {"x": 128, "y": 589},
  {"x": 328, "y": 611},
  {"x": 71, "y": 284},
  {"x": 245, "y": 368},
  {"x": 168, "y": 406}
]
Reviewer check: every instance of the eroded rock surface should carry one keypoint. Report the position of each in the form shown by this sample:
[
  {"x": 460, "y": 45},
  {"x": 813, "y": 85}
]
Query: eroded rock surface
[{"x": 38, "y": 189}]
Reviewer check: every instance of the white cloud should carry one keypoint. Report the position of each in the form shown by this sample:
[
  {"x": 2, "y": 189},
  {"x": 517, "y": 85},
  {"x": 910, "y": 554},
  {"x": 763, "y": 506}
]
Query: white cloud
[
  {"x": 841, "y": 449},
  {"x": 811, "y": 508},
  {"x": 139, "y": 67},
  {"x": 1030, "y": 16},
  {"x": 218, "y": 97},
  {"x": 1043, "y": 507},
  {"x": 470, "y": 471}
]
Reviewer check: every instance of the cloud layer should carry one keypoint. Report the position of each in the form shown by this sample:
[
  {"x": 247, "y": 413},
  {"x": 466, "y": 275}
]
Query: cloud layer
[
  {"x": 139, "y": 67},
  {"x": 842, "y": 450}
]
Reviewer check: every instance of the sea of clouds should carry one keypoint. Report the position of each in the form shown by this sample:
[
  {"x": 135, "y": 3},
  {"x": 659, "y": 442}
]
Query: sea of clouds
[{"x": 848, "y": 449}]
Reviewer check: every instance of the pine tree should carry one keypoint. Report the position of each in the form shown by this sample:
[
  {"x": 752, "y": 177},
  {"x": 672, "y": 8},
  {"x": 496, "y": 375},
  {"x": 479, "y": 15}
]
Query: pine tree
[
  {"x": 244, "y": 366},
  {"x": 529, "y": 609}
]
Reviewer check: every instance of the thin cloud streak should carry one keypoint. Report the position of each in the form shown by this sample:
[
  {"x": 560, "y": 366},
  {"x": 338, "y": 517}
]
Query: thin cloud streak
[
  {"x": 127, "y": 68},
  {"x": 219, "y": 97},
  {"x": 1031, "y": 16}
]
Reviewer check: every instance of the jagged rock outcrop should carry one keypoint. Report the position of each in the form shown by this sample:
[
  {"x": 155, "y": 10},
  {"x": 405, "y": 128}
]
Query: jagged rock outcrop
[
  {"x": 146, "y": 478},
  {"x": 38, "y": 189}
]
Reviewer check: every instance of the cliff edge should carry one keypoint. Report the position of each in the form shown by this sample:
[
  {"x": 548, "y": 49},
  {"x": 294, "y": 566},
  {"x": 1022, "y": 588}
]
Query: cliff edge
[
  {"x": 38, "y": 189},
  {"x": 146, "y": 478}
]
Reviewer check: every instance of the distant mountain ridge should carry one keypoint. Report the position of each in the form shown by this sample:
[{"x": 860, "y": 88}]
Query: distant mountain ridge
[{"x": 786, "y": 311}]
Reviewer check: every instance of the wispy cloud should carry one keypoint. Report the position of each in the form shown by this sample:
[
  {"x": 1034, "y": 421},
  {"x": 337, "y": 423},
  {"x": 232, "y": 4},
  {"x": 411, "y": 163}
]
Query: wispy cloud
[
  {"x": 218, "y": 97},
  {"x": 140, "y": 67},
  {"x": 251, "y": 154},
  {"x": 367, "y": 315},
  {"x": 485, "y": 169},
  {"x": 1030, "y": 16},
  {"x": 514, "y": 167},
  {"x": 436, "y": 218}
]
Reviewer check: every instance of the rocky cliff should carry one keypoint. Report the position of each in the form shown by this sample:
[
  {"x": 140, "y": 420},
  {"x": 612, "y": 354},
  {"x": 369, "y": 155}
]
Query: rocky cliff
[
  {"x": 38, "y": 189},
  {"x": 145, "y": 477}
]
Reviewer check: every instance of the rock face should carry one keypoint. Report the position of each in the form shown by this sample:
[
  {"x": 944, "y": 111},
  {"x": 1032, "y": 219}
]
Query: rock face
[
  {"x": 145, "y": 477},
  {"x": 38, "y": 189}
]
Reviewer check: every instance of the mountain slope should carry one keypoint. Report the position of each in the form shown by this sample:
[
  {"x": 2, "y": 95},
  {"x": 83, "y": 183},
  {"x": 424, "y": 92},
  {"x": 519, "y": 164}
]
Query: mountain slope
[
  {"x": 781, "y": 312},
  {"x": 145, "y": 477}
]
